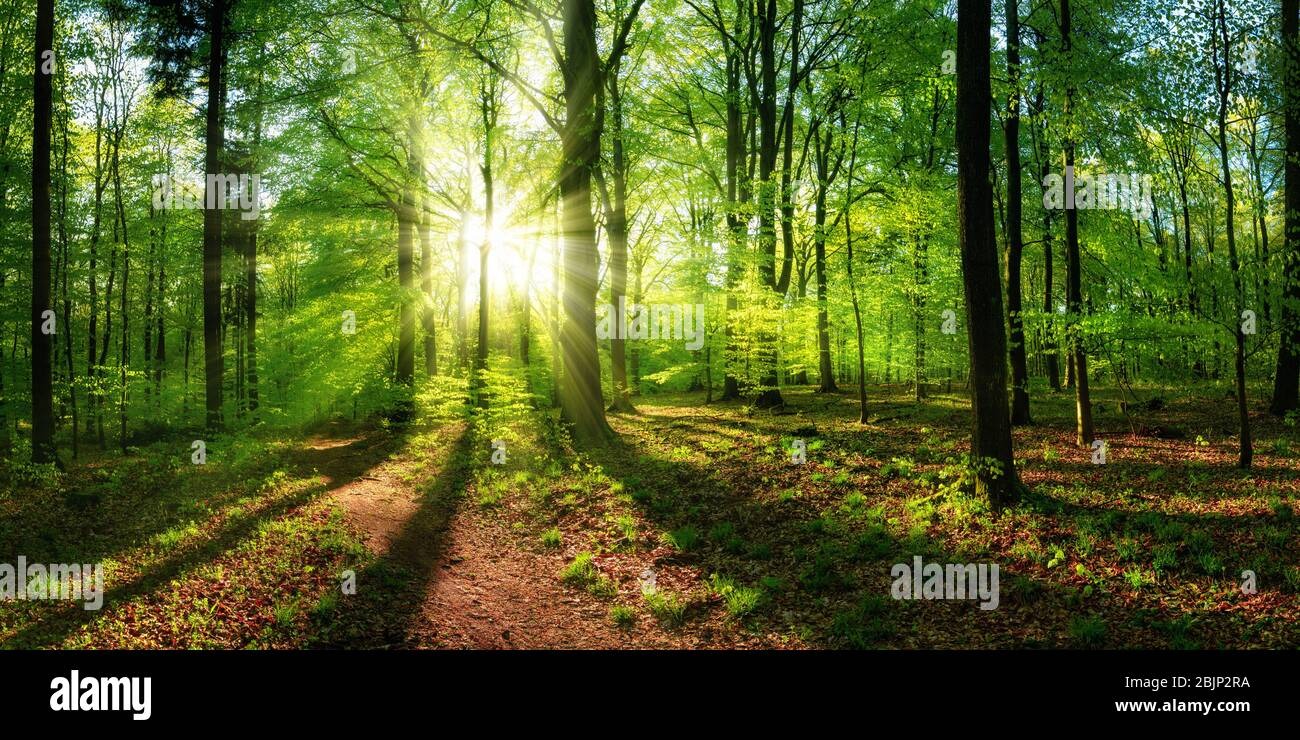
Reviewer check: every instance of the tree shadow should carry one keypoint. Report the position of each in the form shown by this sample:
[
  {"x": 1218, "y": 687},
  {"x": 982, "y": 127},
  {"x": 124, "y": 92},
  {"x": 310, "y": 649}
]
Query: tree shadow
[
  {"x": 337, "y": 464},
  {"x": 390, "y": 591}
]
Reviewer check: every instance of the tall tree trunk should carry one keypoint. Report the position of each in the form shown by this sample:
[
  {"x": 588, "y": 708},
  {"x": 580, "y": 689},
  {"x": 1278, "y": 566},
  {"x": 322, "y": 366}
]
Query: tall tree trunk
[
  {"x": 737, "y": 153},
  {"x": 1015, "y": 239},
  {"x": 1224, "y": 78},
  {"x": 408, "y": 221},
  {"x": 64, "y": 181},
  {"x": 214, "y": 139},
  {"x": 768, "y": 150},
  {"x": 1286, "y": 380},
  {"x": 616, "y": 228},
  {"x": 581, "y": 399},
  {"x": 826, "y": 171},
  {"x": 853, "y": 285},
  {"x": 987, "y": 341},
  {"x": 42, "y": 343},
  {"x": 1051, "y": 360},
  {"x": 426, "y": 286},
  {"x": 1073, "y": 267},
  {"x": 488, "y": 102},
  {"x": 250, "y": 259}
]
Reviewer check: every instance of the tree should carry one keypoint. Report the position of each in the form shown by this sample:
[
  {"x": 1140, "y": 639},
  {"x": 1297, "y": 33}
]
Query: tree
[
  {"x": 581, "y": 399},
  {"x": 1015, "y": 238},
  {"x": 991, "y": 453},
  {"x": 1224, "y": 77},
  {"x": 214, "y": 144},
  {"x": 1073, "y": 266},
  {"x": 1286, "y": 379},
  {"x": 42, "y": 339}
]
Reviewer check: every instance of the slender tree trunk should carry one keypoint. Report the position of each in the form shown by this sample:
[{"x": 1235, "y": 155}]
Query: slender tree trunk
[
  {"x": 1051, "y": 360},
  {"x": 616, "y": 228},
  {"x": 1286, "y": 379},
  {"x": 995, "y": 471},
  {"x": 1073, "y": 268},
  {"x": 853, "y": 285},
  {"x": 213, "y": 362},
  {"x": 42, "y": 343},
  {"x": 581, "y": 399},
  {"x": 1015, "y": 238},
  {"x": 1224, "y": 78},
  {"x": 488, "y": 110}
]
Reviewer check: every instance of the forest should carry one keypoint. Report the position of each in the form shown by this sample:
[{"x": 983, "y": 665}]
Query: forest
[{"x": 608, "y": 324}]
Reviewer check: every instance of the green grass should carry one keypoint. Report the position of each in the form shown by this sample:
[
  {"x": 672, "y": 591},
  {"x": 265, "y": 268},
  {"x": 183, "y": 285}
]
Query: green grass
[
  {"x": 552, "y": 538},
  {"x": 582, "y": 573},
  {"x": 866, "y": 624},
  {"x": 681, "y": 539},
  {"x": 1164, "y": 558},
  {"x": 740, "y": 600},
  {"x": 623, "y": 617},
  {"x": 1088, "y": 632},
  {"x": 668, "y": 608}
]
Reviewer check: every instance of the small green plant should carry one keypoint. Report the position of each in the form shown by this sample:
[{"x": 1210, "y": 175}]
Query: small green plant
[
  {"x": 1178, "y": 631},
  {"x": 1276, "y": 537},
  {"x": 623, "y": 617},
  {"x": 1164, "y": 557},
  {"x": 1126, "y": 549},
  {"x": 1281, "y": 509},
  {"x": 626, "y": 527},
  {"x": 1167, "y": 530},
  {"x": 721, "y": 531},
  {"x": 1210, "y": 564},
  {"x": 581, "y": 570},
  {"x": 1030, "y": 549},
  {"x": 681, "y": 539},
  {"x": 1088, "y": 632},
  {"x": 582, "y": 573},
  {"x": 1199, "y": 543},
  {"x": 669, "y": 609},
  {"x": 740, "y": 600},
  {"x": 1058, "y": 557},
  {"x": 286, "y": 612},
  {"x": 1291, "y": 576},
  {"x": 1084, "y": 544},
  {"x": 552, "y": 538},
  {"x": 866, "y": 624},
  {"x": 899, "y": 467},
  {"x": 1136, "y": 578}
]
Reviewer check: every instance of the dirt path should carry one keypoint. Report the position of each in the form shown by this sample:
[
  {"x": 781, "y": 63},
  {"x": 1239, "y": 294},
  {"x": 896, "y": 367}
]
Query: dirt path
[{"x": 476, "y": 588}]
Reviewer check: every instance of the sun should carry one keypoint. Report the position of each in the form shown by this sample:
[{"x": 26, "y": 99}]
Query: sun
[{"x": 519, "y": 256}]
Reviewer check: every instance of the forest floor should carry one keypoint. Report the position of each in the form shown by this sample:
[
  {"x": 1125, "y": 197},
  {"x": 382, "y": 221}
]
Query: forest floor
[{"x": 694, "y": 530}]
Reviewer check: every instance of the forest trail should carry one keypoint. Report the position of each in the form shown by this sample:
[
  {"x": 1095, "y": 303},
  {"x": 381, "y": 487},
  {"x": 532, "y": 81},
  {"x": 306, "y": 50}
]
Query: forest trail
[{"x": 474, "y": 587}]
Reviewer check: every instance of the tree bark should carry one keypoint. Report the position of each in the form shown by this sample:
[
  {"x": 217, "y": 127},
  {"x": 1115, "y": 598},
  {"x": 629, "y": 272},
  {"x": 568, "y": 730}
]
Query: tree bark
[
  {"x": 214, "y": 138},
  {"x": 1073, "y": 269},
  {"x": 42, "y": 343},
  {"x": 1286, "y": 379},
  {"x": 991, "y": 452},
  {"x": 1015, "y": 238},
  {"x": 581, "y": 397}
]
